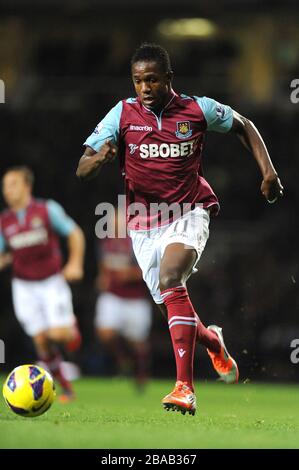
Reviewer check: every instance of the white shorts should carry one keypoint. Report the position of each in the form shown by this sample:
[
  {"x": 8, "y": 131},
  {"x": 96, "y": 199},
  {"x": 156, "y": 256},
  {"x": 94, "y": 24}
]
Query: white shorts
[
  {"x": 131, "y": 318},
  {"x": 41, "y": 305},
  {"x": 192, "y": 229}
]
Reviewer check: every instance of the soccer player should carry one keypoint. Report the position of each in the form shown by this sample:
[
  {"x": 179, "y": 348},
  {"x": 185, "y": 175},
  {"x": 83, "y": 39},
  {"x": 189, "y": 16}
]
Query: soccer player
[
  {"x": 42, "y": 299},
  {"x": 123, "y": 311},
  {"x": 159, "y": 138}
]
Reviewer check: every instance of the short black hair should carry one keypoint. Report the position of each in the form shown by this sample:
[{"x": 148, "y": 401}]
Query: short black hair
[
  {"x": 24, "y": 170},
  {"x": 149, "y": 52}
]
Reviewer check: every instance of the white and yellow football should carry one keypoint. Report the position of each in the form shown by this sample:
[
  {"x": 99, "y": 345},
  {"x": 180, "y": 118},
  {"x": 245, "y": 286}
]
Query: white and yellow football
[{"x": 29, "y": 390}]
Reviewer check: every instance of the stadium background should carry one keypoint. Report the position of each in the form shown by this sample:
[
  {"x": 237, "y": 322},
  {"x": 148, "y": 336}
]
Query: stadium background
[{"x": 66, "y": 63}]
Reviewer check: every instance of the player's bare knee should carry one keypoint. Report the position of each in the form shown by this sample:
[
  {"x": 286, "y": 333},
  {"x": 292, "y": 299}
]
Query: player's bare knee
[
  {"x": 60, "y": 335},
  {"x": 172, "y": 278},
  {"x": 41, "y": 343},
  {"x": 106, "y": 335}
]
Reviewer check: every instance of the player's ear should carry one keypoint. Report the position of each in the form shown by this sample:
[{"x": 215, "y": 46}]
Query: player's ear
[{"x": 169, "y": 75}]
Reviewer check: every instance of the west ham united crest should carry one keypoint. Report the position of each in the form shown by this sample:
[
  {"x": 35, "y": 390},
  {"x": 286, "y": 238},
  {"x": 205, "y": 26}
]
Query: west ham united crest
[
  {"x": 183, "y": 129},
  {"x": 36, "y": 222}
]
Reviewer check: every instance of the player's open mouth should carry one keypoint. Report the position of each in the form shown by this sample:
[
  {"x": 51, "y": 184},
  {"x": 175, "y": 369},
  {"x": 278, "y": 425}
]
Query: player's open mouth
[{"x": 148, "y": 100}]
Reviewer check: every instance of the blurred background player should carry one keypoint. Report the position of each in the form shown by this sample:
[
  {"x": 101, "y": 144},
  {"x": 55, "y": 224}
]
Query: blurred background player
[
  {"x": 123, "y": 310},
  {"x": 42, "y": 299}
]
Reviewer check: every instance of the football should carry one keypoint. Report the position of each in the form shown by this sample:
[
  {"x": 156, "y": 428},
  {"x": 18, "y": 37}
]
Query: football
[{"x": 29, "y": 390}]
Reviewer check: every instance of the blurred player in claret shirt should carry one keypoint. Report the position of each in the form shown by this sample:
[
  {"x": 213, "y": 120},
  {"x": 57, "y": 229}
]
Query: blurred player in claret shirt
[
  {"x": 42, "y": 299},
  {"x": 158, "y": 137},
  {"x": 123, "y": 310}
]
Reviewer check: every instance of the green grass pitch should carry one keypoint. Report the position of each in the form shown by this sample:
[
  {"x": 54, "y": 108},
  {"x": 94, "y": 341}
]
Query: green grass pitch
[{"x": 109, "y": 413}]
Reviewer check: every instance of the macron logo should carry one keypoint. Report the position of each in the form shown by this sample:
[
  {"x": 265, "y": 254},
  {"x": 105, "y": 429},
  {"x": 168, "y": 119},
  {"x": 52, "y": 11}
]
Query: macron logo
[
  {"x": 181, "y": 352},
  {"x": 141, "y": 128}
]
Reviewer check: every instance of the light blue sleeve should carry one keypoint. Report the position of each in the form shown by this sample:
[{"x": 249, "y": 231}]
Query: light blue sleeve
[
  {"x": 2, "y": 243},
  {"x": 219, "y": 116},
  {"x": 59, "y": 220},
  {"x": 2, "y": 240},
  {"x": 108, "y": 128}
]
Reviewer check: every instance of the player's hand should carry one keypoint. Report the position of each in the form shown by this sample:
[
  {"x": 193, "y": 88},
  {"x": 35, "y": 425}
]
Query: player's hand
[
  {"x": 5, "y": 260},
  {"x": 272, "y": 188},
  {"x": 72, "y": 272},
  {"x": 107, "y": 152}
]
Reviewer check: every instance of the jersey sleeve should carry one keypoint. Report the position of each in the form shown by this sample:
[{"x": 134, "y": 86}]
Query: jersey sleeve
[
  {"x": 107, "y": 129},
  {"x": 2, "y": 240},
  {"x": 59, "y": 220},
  {"x": 2, "y": 243},
  {"x": 219, "y": 116}
]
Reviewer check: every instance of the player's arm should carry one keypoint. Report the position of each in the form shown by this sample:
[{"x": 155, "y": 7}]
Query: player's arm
[
  {"x": 73, "y": 269},
  {"x": 222, "y": 118},
  {"x": 66, "y": 227},
  {"x": 100, "y": 146},
  {"x": 5, "y": 257},
  {"x": 250, "y": 137},
  {"x": 91, "y": 161}
]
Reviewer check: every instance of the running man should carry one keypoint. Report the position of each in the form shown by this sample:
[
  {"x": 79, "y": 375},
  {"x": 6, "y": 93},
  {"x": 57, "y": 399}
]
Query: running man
[
  {"x": 42, "y": 299},
  {"x": 158, "y": 137}
]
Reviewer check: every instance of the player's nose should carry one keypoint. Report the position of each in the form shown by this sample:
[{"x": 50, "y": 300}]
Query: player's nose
[{"x": 145, "y": 88}]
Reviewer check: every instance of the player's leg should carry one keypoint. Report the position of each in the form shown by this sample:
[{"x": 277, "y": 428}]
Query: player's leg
[
  {"x": 113, "y": 346},
  {"x": 63, "y": 325},
  {"x": 176, "y": 265},
  {"x": 148, "y": 251},
  {"x": 204, "y": 336},
  {"x": 68, "y": 336},
  {"x": 51, "y": 359},
  {"x": 29, "y": 304},
  {"x": 109, "y": 326},
  {"x": 42, "y": 345},
  {"x": 175, "y": 270},
  {"x": 62, "y": 328},
  {"x": 137, "y": 325},
  {"x": 141, "y": 353},
  {"x": 222, "y": 361},
  {"x": 60, "y": 334}
]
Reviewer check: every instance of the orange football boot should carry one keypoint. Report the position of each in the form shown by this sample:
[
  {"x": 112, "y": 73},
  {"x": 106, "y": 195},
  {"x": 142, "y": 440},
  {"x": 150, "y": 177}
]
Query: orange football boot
[
  {"x": 66, "y": 396},
  {"x": 223, "y": 363},
  {"x": 182, "y": 399}
]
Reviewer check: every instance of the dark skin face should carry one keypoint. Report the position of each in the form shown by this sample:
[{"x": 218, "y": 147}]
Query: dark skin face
[{"x": 152, "y": 85}]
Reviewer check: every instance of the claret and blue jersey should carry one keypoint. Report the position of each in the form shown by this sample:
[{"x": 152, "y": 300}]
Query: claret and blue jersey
[
  {"x": 160, "y": 154},
  {"x": 31, "y": 236}
]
